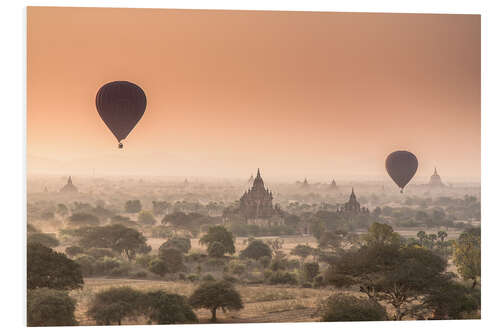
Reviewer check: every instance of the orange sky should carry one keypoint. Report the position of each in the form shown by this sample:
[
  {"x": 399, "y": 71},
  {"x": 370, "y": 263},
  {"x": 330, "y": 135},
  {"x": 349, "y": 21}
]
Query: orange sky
[{"x": 296, "y": 93}]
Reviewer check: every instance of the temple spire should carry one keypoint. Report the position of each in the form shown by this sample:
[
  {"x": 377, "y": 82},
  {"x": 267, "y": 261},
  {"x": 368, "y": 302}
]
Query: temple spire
[{"x": 69, "y": 180}]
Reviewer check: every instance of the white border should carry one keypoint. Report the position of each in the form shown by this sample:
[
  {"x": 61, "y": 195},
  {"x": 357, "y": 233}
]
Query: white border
[{"x": 13, "y": 185}]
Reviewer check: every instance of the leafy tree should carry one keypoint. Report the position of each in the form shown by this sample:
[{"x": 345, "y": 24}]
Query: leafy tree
[
  {"x": 302, "y": 251},
  {"x": 44, "y": 239},
  {"x": 452, "y": 300},
  {"x": 50, "y": 307},
  {"x": 381, "y": 234},
  {"x": 256, "y": 250},
  {"x": 442, "y": 235},
  {"x": 115, "y": 304},
  {"x": 100, "y": 252},
  {"x": 47, "y": 268},
  {"x": 422, "y": 236},
  {"x": 173, "y": 258},
  {"x": 83, "y": 219},
  {"x": 117, "y": 237},
  {"x": 216, "y": 250},
  {"x": 158, "y": 266},
  {"x": 221, "y": 235},
  {"x": 282, "y": 277},
  {"x": 160, "y": 207},
  {"x": 133, "y": 206},
  {"x": 182, "y": 244},
  {"x": 396, "y": 275},
  {"x": 467, "y": 255},
  {"x": 216, "y": 295},
  {"x": 164, "y": 308},
  {"x": 146, "y": 218},
  {"x": 342, "y": 307},
  {"x": 123, "y": 220}
]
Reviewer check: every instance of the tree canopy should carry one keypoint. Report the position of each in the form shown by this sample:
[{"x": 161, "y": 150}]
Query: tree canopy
[
  {"x": 164, "y": 308},
  {"x": 256, "y": 250},
  {"x": 50, "y": 307},
  {"x": 221, "y": 235},
  {"x": 215, "y": 295},
  {"x": 467, "y": 255},
  {"x": 50, "y": 269},
  {"x": 115, "y": 304}
]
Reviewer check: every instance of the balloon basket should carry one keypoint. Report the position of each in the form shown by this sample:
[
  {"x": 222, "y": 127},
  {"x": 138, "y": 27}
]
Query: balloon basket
[{"x": 120, "y": 145}]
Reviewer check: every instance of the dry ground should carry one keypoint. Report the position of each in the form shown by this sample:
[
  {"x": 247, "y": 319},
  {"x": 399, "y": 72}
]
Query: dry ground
[{"x": 262, "y": 303}]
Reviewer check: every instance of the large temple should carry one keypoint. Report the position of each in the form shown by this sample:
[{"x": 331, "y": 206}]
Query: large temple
[
  {"x": 256, "y": 204},
  {"x": 69, "y": 187},
  {"x": 353, "y": 206},
  {"x": 435, "y": 180}
]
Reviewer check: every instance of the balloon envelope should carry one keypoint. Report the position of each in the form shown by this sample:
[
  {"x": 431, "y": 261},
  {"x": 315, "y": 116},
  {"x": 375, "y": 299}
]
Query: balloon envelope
[
  {"x": 121, "y": 105},
  {"x": 401, "y": 166}
]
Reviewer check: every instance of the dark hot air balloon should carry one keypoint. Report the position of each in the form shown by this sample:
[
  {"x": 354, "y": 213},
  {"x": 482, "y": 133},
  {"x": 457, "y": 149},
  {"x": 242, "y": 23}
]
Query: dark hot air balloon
[
  {"x": 401, "y": 166},
  {"x": 121, "y": 105}
]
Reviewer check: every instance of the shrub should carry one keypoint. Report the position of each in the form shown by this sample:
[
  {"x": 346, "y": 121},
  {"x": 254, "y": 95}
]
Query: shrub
[
  {"x": 173, "y": 258},
  {"x": 146, "y": 218},
  {"x": 265, "y": 261},
  {"x": 282, "y": 277},
  {"x": 158, "y": 267},
  {"x": 143, "y": 260},
  {"x": 180, "y": 243},
  {"x": 105, "y": 265},
  {"x": 256, "y": 250},
  {"x": 86, "y": 264},
  {"x": 73, "y": 250},
  {"x": 83, "y": 219},
  {"x": 310, "y": 269},
  {"x": 139, "y": 275},
  {"x": 49, "y": 307},
  {"x": 341, "y": 307},
  {"x": 193, "y": 277},
  {"x": 133, "y": 206},
  {"x": 229, "y": 278},
  {"x": 99, "y": 253},
  {"x": 208, "y": 277}
]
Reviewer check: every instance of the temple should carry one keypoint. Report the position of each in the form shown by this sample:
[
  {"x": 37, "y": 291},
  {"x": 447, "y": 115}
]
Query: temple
[
  {"x": 69, "y": 187},
  {"x": 353, "y": 206},
  {"x": 256, "y": 204},
  {"x": 435, "y": 180},
  {"x": 333, "y": 184}
]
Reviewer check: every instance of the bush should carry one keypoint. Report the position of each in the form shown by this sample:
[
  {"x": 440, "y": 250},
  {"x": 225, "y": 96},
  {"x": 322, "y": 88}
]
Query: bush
[
  {"x": 146, "y": 218},
  {"x": 180, "y": 243},
  {"x": 173, "y": 258},
  {"x": 49, "y": 307},
  {"x": 73, "y": 250},
  {"x": 310, "y": 269},
  {"x": 208, "y": 277},
  {"x": 265, "y": 261},
  {"x": 133, "y": 206},
  {"x": 158, "y": 267},
  {"x": 104, "y": 266},
  {"x": 47, "y": 240},
  {"x": 282, "y": 277},
  {"x": 341, "y": 307},
  {"x": 99, "y": 253},
  {"x": 229, "y": 278},
  {"x": 86, "y": 264},
  {"x": 193, "y": 277},
  {"x": 143, "y": 260},
  {"x": 80, "y": 219},
  {"x": 140, "y": 275},
  {"x": 256, "y": 250}
]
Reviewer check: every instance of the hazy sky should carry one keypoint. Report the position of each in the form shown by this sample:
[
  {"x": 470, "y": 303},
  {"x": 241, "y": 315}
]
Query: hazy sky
[{"x": 295, "y": 93}]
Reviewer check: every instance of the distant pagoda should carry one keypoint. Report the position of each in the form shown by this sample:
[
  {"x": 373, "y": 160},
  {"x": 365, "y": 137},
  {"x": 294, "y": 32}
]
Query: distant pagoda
[
  {"x": 333, "y": 184},
  {"x": 256, "y": 204},
  {"x": 69, "y": 187},
  {"x": 435, "y": 180},
  {"x": 353, "y": 207},
  {"x": 305, "y": 183}
]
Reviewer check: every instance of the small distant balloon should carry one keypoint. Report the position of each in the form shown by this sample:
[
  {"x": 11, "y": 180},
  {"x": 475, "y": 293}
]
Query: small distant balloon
[
  {"x": 401, "y": 165},
  {"x": 121, "y": 105}
]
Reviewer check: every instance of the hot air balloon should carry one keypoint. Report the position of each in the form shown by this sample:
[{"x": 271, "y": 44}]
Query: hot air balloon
[
  {"x": 401, "y": 166},
  {"x": 121, "y": 105}
]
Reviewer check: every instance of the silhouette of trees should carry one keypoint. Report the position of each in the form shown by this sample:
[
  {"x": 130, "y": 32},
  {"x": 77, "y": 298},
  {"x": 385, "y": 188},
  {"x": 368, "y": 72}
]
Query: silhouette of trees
[{"x": 215, "y": 295}]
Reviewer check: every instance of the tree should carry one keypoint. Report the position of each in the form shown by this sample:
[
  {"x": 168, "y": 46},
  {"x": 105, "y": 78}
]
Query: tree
[
  {"x": 164, "y": 308},
  {"x": 83, "y": 219},
  {"x": 221, "y": 235},
  {"x": 158, "y": 266},
  {"x": 146, "y": 218},
  {"x": 311, "y": 269},
  {"x": 173, "y": 258},
  {"x": 62, "y": 210},
  {"x": 216, "y": 250},
  {"x": 44, "y": 239},
  {"x": 182, "y": 244},
  {"x": 442, "y": 236},
  {"x": 256, "y": 250},
  {"x": 117, "y": 237},
  {"x": 396, "y": 275},
  {"x": 160, "y": 207},
  {"x": 452, "y": 300},
  {"x": 381, "y": 234},
  {"x": 342, "y": 307},
  {"x": 115, "y": 304},
  {"x": 47, "y": 268},
  {"x": 50, "y": 307},
  {"x": 133, "y": 206},
  {"x": 215, "y": 295},
  {"x": 467, "y": 255},
  {"x": 302, "y": 251}
]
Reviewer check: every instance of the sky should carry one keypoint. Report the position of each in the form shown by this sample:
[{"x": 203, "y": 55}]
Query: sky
[{"x": 298, "y": 94}]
